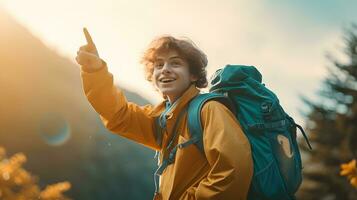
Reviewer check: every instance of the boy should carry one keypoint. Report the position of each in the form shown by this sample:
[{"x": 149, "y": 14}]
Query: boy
[{"x": 177, "y": 69}]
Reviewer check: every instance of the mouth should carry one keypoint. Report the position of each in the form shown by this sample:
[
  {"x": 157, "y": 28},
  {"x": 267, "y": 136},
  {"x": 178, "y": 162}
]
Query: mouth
[{"x": 166, "y": 80}]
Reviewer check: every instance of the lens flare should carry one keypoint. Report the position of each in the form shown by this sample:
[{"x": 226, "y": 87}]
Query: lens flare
[{"x": 54, "y": 129}]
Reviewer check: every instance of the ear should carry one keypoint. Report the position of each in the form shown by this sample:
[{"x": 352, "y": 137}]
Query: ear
[{"x": 193, "y": 78}]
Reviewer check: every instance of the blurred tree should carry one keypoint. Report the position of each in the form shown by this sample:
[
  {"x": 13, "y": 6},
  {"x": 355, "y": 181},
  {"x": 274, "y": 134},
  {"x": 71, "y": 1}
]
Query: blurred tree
[
  {"x": 18, "y": 184},
  {"x": 332, "y": 124}
]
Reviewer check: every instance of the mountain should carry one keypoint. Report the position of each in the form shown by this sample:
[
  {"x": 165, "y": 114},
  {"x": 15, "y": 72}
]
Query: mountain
[{"x": 44, "y": 113}]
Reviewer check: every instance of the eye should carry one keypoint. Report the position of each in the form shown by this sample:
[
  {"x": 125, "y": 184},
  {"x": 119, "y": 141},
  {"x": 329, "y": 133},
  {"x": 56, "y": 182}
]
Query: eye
[
  {"x": 158, "y": 65},
  {"x": 176, "y": 63}
]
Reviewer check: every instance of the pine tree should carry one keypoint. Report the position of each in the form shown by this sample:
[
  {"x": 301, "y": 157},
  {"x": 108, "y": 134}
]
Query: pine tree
[
  {"x": 332, "y": 127},
  {"x": 18, "y": 184}
]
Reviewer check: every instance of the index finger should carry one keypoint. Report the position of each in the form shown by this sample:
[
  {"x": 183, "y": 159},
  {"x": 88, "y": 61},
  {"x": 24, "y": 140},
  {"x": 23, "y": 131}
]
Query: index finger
[{"x": 88, "y": 37}]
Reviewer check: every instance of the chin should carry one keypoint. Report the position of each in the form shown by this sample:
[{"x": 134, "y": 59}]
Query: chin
[{"x": 166, "y": 93}]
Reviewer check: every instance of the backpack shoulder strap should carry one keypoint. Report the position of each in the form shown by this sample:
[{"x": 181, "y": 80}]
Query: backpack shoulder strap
[{"x": 194, "y": 115}]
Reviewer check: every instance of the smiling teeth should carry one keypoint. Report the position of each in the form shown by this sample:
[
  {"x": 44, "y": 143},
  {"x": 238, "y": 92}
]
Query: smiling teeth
[{"x": 167, "y": 80}]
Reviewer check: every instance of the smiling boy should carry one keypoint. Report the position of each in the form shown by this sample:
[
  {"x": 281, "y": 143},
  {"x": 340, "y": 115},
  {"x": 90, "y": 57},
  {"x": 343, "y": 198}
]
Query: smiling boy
[
  {"x": 171, "y": 75},
  {"x": 176, "y": 68}
]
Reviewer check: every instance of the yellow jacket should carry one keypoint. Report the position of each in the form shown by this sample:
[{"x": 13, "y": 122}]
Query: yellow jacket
[{"x": 225, "y": 171}]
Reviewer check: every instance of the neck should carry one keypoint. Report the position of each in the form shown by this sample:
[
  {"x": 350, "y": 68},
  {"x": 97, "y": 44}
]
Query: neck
[{"x": 172, "y": 99}]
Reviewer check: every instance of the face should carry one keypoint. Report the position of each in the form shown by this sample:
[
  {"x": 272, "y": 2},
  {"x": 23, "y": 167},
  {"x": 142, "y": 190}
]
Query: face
[{"x": 171, "y": 75}]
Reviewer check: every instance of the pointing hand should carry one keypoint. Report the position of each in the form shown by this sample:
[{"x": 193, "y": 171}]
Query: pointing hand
[{"x": 87, "y": 55}]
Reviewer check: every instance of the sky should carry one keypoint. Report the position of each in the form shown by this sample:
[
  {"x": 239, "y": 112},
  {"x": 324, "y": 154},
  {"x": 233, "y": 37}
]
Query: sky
[{"x": 286, "y": 40}]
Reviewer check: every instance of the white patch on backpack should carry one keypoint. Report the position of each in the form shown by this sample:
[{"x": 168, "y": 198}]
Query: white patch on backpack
[{"x": 285, "y": 145}]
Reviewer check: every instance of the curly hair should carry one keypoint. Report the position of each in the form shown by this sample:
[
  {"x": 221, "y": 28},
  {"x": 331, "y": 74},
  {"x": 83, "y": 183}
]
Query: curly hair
[{"x": 196, "y": 59}]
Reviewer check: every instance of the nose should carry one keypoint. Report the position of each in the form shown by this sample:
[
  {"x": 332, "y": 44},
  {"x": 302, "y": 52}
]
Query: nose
[{"x": 166, "y": 68}]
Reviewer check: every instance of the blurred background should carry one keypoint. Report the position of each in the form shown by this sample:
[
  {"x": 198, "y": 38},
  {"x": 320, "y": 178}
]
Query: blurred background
[{"x": 306, "y": 51}]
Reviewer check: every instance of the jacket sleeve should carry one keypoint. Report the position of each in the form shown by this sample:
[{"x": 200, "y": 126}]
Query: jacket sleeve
[
  {"x": 228, "y": 153},
  {"x": 117, "y": 114}
]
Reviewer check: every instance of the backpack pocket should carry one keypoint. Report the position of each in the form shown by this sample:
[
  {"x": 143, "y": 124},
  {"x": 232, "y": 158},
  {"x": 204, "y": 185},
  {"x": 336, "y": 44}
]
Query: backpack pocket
[
  {"x": 268, "y": 184},
  {"x": 281, "y": 178},
  {"x": 282, "y": 135},
  {"x": 287, "y": 158}
]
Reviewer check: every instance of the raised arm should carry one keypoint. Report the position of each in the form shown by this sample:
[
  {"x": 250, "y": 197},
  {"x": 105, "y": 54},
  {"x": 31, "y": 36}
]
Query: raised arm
[{"x": 118, "y": 115}]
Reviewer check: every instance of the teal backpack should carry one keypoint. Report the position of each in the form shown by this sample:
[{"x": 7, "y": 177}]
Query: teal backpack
[{"x": 271, "y": 132}]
